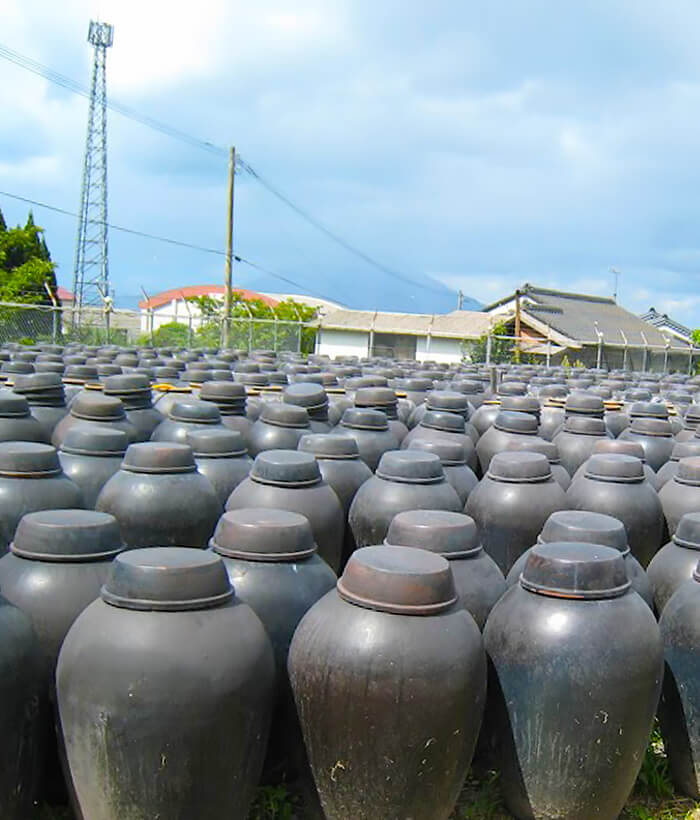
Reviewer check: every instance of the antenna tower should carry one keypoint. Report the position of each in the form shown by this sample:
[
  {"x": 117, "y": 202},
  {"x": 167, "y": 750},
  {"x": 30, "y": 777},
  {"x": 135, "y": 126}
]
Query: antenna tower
[{"x": 91, "y": 273}]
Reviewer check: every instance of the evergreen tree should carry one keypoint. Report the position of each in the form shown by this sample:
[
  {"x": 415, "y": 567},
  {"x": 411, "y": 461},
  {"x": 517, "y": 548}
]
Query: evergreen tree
[{"x": 25, "y": 264}]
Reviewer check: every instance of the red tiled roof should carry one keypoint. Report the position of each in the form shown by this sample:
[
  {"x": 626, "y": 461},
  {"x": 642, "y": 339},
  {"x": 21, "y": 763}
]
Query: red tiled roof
[
  {"x": 200, "y": 290},
  {"x": 64, "y": 295}
]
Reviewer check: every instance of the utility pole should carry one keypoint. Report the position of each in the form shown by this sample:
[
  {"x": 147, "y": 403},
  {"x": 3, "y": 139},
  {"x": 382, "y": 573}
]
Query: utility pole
[
  {"x": 517, "y": 326},
  {"x": 228, "y": 283},
  {"x": 460, "y": 299},
  {"x": 616, "y": 275}
]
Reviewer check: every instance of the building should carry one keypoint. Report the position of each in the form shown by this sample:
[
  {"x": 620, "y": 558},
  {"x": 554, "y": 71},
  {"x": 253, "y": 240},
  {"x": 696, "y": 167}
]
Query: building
[
  {"x": 323, "y": 306},
  {"x": 174, "y": 305},
  {"x": 669, "y": 327},
  {"x": 421, "y": 336},
  {"x": 592, "y": 329}
]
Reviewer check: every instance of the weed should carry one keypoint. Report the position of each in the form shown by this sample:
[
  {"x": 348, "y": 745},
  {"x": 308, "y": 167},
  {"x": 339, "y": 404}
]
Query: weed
[
  {"x": 274, "y": 803},
  {"x": 481, "y": 799},
  {"x": 654, "y": 778}
]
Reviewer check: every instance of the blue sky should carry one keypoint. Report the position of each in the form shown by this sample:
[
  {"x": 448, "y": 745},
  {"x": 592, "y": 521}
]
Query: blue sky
[{"x": 472, "y": 146}]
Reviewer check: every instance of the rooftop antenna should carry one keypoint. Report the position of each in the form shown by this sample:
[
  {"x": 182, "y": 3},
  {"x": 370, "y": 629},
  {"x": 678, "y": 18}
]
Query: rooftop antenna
[
  {"x": 91, "y": 272},
  {"x": 616, "y": 275}
]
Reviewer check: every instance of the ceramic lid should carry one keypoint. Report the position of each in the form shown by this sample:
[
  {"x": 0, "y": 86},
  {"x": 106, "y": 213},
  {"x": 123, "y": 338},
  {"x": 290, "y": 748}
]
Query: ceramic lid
[
  {"x": 575, "y": 570},
  {"x": 615, "y": 467},
  {"x": 67, "y": 536},
  {"x": 585, "y": 527},
  {"x": 554, "y": 391},
  {"x": 399, "y": 580},
  {"x": 253, "y": 379},
  {"x": 521, "y": 404},
  {"x": 285, "y": 415},
  {"x": 196, "y": 375},
  {"x": 512, "y": 422},
  {"x": 441, "y": 420},
  {"x": 415, "y": 385},
  {"x": 246, "y": 367},
  {"x": 223, "y": 392},
  {"x": 357, "y": 418},
  {"x": 285, "y": 467},
  {"x": 330, "y": 446},
  {"x": 638, "y": 394},
  {"x": 163, "y": 374},
  {"x": 688, "y": 471},
  {"x": 685, "y": 449},
  {"x": 195, "y": 412},
  {"x": 647, "y": 426},
  {"x": 512, "y": 389},
  {"x": 585, "y": 403},
  {"x": 17, "y": 367},
  {"x": 450, "y": 453},
  {"x": 450, "y": 534},
  {"x": 12, "y": 405},
  {"x": 375, "y": 397},
  {"x": 687, "y": 532},
  {"x": 80, "y": 372},
  {"x": 49, "y": 367},
  {"x": 28, "y": 459},
  {"x": 519, "y": 467},
  {"x": 264, "y": 535},
  {"x": 93, "y": 406},
  {"x": 305, "y": 394},
  {"x": 692, "y": 415},
  {"x": 126, "y": 384},
  {"x": 216, "y": 442},
  {"x": 410, "y": 467},
  {"x": 533, "y": 444},
  {"x": 648, "y": 409},
  {"x": 620, "y": 446},
  {"x": 156, "y": 457},
  {"x": 585, "y": 426},
  {"x": 94, "y": 440},
  {"x": 37, "y": 383},
  {"x": 169, "y": 579},
  {"x": 447, "y": 400}
]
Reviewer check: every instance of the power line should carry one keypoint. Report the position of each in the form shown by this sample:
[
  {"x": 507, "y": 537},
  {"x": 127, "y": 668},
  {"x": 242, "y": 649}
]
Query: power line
[
  {"x": 69, "y": 84},
  {"x": 167, "y": 240}
]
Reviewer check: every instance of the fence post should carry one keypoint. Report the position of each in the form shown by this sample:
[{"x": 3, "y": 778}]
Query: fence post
[
  {"x": 668, "y": 344},
  {"x": 489, "y": 341},
  {"x": 690, "y": 360}
]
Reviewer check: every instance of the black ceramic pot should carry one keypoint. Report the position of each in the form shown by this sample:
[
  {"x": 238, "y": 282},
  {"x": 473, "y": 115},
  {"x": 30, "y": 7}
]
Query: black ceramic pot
[
  {"x": 404, "y": 480},
  {"x": 16, "y": 420},
  {"x": 170, "y": 657},
  {"x": 370, "y": 429},
  {"x": 581, "y": 526},
  {"x": 655, "y": 436},
  {"x": 681, "y": 449},
  {"x": 313, "y": 398},
  {"x": 46, "y": 397},
  {"x": 485, "y": 415},
  {"x": 185, "y": 417},
  {"x": 279, "y": 427},
  {"x": 90, "y": 456},
  {"x": 614, "y": 484},
  {"x": 691, "y": 419},
  {"x": 402, "y": 665},
  {"x": 577, "y": 440},
  {"x": 446, "y": 401},
  {"x": 512, "y": 503},
  {"x": 675, "y": 562},
  {"x": 134, "y": 392},
  {"x": 510, "y": 430},
  {"x": 438, "y": 425},
  {"x": 221, "y": 456},
  {"x": 576, "y": 659},
  {"x": 681, "y": 494},
  {"x": 478, "y": 580},
  {"x": 160, "y": 499},
  {"x": 231, "y": 399},
  {"x": 385, "y": 400},
  {"x": 291, "y": 480},
  {"x": 625, "y": 448},
  {"x": 92, "y": 409},
  {"x": 451, "y": 454}
]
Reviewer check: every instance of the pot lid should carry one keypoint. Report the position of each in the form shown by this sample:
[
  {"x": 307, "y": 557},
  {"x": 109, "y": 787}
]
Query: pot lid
[
  {"x": 357, "y": 418},
  {"x": 533, "y": 444},
  {"x": 692, "y": 415},
  {"x": 216, "y": 442},
  {"x": 584, "y": 403},
  {"x": 615, "y": 467},
  {"x": 399, "y": 580},
  {"x": 94, "y": 440},
  {"x": 605, "y": 393},
  {"x": 290, "y": 468},
  {"x": 375, "y": 397},
  {"x": 512, "y": 389},
  {"x": 162, "y": 374},
  {"x": 224, "y": 392},
  {"x": 305, "y": 394},
  {"x": 575, "y": 570},
  {"x": 585, "y": 426},
  {"x": 196, "y": 375},
  {"x": 554, "y": 391},
  {"x": 585, "y": 527},
  {"x": 49, "y": 367},
  {"x": 253, "y": 379},
  {"x": 410, "y": 467},
  {"x": 687, "y": 532},
  {"x": 158, "y": 457},
  {"x": 37, "y": 383},
  {"x": 513, "y": 422},
  {"x": 450, "y": 453},
  {"x": 414, "y": 385},
  {"x": 688, "y": 471},
  {"x": 264, "y": 535},
  {"x": 330, "y": 446},
  {"x": 468, "y": 387},
  {"x": 94, "y": 406},
  {"x": 447, "y": 400},
  {"x": 27, "y": 459},
  {"x": 246, "y": 367},
  {"x": 647, "y": 426},
  {"x": 621, "y": 447},
  {"x": 637, "y": 394},
  {"x": 170, "y": 579},
  {"x": 126, "y": 384},
  {"x": 195, "y": 412},
  {"x": 450, "y": 534},
  {"x": 648, "y": 409},
  {"x": 80, "y": 372},
  {"x": 521, "y": 404},
  {"x": 442, "y": 420},
  {"x": 285, "y": 415},
  {"x": 16, "y": 367},
  {"x": 519, "y": 467},
  {"x": 12, "y": 405},
  {"x": 685, "y": 449},
  {"x": 67, "y": 536}
]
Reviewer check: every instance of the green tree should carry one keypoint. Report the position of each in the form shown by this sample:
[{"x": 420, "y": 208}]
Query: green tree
[
  {"x": 25, "y": 264},
  {"x": 501, "y": 349},
  {"x": 171, "y": 334}
]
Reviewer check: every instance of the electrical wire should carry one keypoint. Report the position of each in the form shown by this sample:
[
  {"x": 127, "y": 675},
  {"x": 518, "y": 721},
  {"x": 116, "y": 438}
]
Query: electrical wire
[{"x": 167, "y": 240}]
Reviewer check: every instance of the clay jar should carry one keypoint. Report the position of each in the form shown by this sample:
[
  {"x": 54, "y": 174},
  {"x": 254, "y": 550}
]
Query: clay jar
[
  {"x": 45, "y": 395},
  {"x": 160, "y": 499},
  {"x": 478, "y": 581},
  {"x": 185, "y": 417},
  {"x": 681, "y": 494},
  {"x": 231, "y": 399},
  {"x": 339, "y": 461},
  {"x": 313, "y": 398},
  {"x": 92, "y": 409},
  {"x": 404, "y": 480},
  {"x": 16, "y": 421},
  {"x": 690, "y": 423},
  {"x": 581, "y": 526},
  {"x": 577, "y": 439},
  {"x": 271, "y": 559},
  {"x": 437, "y": 425},
  {"x": 512, "y": 503},
  {"x": 31, "y": 479},
  {"x": 507, "y": 426},
  {"x": 681, "y": 449},
  {"x": 167, "y": 655},
  {"x": 614, "y": 484},
  {"x": 447, "y": 402},
  {"x": 656, "y": 438},
  {"x": 535, "y": 444},
  {"x": 291, "y": 480},
  {"x": 383, "y": 399},
  {"x": 451, "y": 455},
  {"x": 279, "y": 427},
  {"x": 90, "y": 456},
  {"x": 675, "y": 562},
  {"x": 485, "y": 415},
  {"x": 577, "y": 659},
  {"x": 626, "y": 448},
  {"x": 221, "y": 456},
  {"x": 402, "y": 666},
  {"x": 134, "y": 392},
  {"x": 370, "y": 429}
]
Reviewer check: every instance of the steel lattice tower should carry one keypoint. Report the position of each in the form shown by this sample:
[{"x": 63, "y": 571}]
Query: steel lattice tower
[{"x": 91, "y": 273}]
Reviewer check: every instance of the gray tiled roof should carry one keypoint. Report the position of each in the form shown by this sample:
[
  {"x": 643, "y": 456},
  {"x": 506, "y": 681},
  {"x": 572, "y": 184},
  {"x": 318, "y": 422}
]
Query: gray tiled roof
[{"x": 459, "y": 324}]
